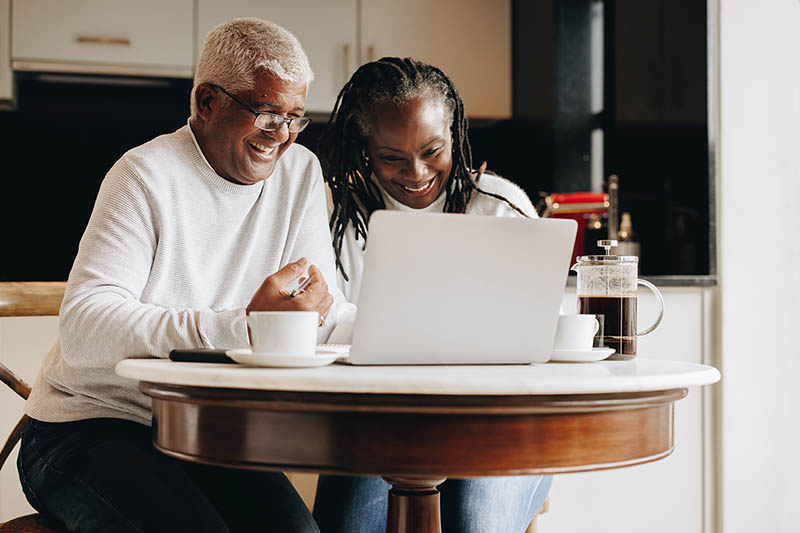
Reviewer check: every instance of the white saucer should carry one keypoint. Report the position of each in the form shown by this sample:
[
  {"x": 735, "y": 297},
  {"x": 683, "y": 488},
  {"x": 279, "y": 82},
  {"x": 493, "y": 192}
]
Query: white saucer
[
  {"x": 581, "y": 356},
  {"x": 246, "y": 357}
]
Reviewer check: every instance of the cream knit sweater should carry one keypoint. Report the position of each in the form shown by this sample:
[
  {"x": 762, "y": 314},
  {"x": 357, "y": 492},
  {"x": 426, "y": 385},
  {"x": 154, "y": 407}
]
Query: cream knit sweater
[{"x": 171, "y": 256}]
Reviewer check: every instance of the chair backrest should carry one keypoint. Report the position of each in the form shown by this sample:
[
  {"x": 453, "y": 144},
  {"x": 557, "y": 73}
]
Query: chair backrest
[
  {"x": 31, "y": 298},
  {"x": 23, "y": 299}
]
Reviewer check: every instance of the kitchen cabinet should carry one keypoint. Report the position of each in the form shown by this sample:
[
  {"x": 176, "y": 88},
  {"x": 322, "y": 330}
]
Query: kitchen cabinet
[
  {"x": 143, "y": 38},
  {"x": 326, "y": 29},
  {"x": 469, "y": 39}
]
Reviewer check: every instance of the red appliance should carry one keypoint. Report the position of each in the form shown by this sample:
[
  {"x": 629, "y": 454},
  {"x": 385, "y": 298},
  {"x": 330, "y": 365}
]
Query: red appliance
[{"x": 588, "y": 209}]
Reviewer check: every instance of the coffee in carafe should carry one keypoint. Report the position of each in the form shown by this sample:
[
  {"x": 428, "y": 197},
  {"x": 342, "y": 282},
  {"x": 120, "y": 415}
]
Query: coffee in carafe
[
  {"x": 619, "y": 321},
  {"x": 608, "y": 288}
]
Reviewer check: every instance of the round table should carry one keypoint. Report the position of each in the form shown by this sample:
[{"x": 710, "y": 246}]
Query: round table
[{"x": 417, "y": 425}]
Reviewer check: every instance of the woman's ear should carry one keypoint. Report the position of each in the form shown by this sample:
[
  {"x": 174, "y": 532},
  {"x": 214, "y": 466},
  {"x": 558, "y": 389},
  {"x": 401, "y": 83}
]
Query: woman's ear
[{"x": 205, "y": 96}]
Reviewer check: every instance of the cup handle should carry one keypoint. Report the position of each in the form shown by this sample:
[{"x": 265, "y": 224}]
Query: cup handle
[
  {"x": 246, "y": 319},
  {"x": 596, "y": 326},
  {"x": 660, "y": 300}
]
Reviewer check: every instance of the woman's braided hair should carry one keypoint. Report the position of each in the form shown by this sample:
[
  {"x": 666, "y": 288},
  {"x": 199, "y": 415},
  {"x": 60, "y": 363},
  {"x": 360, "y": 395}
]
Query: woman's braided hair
[{"x": 342, "y": 147}]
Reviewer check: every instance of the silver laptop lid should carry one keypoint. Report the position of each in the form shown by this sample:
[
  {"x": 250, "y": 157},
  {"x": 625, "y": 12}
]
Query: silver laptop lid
[{"x": 460, "y": 289}]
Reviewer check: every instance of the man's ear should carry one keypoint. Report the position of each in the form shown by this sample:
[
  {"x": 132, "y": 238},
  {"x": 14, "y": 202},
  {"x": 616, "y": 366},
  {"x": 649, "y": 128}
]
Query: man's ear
[{"x": 205, "y": 96}]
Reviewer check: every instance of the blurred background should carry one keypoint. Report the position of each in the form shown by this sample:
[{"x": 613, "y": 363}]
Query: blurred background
[{"x": 561, "y": 95}]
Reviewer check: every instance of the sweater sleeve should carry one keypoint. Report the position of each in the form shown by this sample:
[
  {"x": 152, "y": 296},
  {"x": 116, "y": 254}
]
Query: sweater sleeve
[
  {"x": 513, "y": 193},
  {"x": 102, "y": 319}
]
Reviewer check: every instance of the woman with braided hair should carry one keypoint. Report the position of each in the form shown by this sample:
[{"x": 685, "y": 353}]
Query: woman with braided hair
[{"x": 397, "y": 139}]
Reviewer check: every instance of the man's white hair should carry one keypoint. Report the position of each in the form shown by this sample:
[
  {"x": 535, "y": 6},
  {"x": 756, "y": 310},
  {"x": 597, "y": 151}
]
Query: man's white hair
[{"x": 235, "y": 50}]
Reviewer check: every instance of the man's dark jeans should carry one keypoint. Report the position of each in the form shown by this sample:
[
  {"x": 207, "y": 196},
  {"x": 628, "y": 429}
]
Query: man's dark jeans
[{"x": 105, "y": 476}]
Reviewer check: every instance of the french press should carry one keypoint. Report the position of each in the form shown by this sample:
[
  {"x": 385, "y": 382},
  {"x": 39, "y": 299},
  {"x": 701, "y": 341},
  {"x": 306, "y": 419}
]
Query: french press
[{"x": 608, "y": 288}]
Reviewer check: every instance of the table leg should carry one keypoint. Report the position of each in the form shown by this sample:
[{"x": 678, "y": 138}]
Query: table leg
[{"x": 413, "y": 505}]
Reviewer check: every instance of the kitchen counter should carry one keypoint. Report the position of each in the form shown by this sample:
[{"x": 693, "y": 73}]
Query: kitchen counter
[
  {"x": 682, "y": 281},
  {"x": 670, "y": 281}
]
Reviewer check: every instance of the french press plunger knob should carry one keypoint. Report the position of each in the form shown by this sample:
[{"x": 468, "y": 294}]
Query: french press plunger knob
[{"x": 607, "y": 244}]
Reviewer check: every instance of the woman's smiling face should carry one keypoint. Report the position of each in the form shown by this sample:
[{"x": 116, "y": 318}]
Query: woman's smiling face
[{"x": 410, "y": 149}]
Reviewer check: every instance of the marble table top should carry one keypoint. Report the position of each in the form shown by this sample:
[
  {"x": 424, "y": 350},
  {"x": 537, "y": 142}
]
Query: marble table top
[{"x": 638, "y": 375}]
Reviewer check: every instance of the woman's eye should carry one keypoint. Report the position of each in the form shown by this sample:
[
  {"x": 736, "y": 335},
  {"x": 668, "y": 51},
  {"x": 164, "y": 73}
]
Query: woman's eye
[
  {"x": 390, "y": 158},
  {"x": 432, "y": 152}
]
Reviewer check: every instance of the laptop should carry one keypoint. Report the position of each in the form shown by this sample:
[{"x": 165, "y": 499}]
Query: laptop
[{"x": 442, "y": 288}]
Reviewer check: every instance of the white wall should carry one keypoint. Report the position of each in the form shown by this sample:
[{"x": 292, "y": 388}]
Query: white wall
[
  {"x": 759, "y": 265},
  {"x": 23, "y": 344}
]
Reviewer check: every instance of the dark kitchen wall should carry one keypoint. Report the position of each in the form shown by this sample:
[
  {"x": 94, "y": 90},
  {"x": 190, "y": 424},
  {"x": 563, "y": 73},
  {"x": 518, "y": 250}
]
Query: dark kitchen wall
[
  {"x": 656, "y": 132},
  {"x": 57, "y": 147},
  {"x": 66, "y": 133},
  {"x": 63, "y": 137}
]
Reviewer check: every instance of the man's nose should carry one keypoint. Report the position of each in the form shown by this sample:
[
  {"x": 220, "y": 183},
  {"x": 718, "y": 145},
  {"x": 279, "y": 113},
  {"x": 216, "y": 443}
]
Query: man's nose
[{"x": 281, "y": 134}]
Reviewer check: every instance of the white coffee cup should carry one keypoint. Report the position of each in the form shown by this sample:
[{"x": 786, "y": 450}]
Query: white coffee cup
[
  {"x": 283, "y": 333},
  {"x": 575, "y": 332}
]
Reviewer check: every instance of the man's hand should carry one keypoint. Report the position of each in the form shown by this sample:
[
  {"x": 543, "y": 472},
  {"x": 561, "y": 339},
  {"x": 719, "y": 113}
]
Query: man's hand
[{"x": 272, "y": 296}]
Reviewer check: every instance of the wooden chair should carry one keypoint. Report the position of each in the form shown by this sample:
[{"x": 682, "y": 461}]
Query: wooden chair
[{"x": 26, "y": 299}]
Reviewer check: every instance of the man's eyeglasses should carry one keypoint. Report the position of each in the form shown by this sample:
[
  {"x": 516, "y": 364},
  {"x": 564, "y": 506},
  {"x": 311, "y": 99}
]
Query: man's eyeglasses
[{"x": 270, "y": 121}]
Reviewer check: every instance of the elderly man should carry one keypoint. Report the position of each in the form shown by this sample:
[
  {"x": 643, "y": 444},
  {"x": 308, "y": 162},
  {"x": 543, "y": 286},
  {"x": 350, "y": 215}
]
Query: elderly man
[{"x": 189, "y": 232}]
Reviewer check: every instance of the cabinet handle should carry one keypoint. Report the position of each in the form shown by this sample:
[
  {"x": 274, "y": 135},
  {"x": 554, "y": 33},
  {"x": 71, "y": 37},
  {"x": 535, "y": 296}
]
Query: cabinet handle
[
  {"x": 371, "y": 53},
  {"x": 346, "y": 61},
  {"x": 103, "y": 40}
]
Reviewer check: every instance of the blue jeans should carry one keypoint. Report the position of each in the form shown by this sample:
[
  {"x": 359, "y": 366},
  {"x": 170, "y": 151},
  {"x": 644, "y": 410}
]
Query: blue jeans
[
  {"x": 478, "y": 505},
  {"x": 104, "y": 475}
]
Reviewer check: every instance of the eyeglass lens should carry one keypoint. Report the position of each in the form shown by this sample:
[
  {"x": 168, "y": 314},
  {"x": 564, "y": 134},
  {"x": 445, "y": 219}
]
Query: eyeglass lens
[{"x": 270, "y": 122}]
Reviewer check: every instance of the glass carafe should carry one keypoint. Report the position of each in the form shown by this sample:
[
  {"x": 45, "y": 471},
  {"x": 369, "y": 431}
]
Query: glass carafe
[{"x": 608, "y": 288}]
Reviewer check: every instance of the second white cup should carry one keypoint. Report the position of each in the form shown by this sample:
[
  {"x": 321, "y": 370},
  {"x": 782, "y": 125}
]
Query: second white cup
[
  {"x": 575, "y": 332},
  {"x": 283, "y": 333}
]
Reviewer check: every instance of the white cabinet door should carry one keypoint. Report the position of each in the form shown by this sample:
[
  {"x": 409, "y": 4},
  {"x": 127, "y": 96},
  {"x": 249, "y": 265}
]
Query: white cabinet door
[
  {"x": 326, "y": 29},
  {"x": 146, "y": 37},
  {"x": 470, "y": 40}
]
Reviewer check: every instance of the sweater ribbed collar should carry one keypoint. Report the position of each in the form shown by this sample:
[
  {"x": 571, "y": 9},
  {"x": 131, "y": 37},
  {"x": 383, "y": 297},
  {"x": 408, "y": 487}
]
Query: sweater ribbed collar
[{"x": 207, "y": 171}]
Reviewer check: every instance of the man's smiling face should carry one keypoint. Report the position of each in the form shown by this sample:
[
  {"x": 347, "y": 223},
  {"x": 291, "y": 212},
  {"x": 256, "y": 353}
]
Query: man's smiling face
[{"x": 238, "y": 150}]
